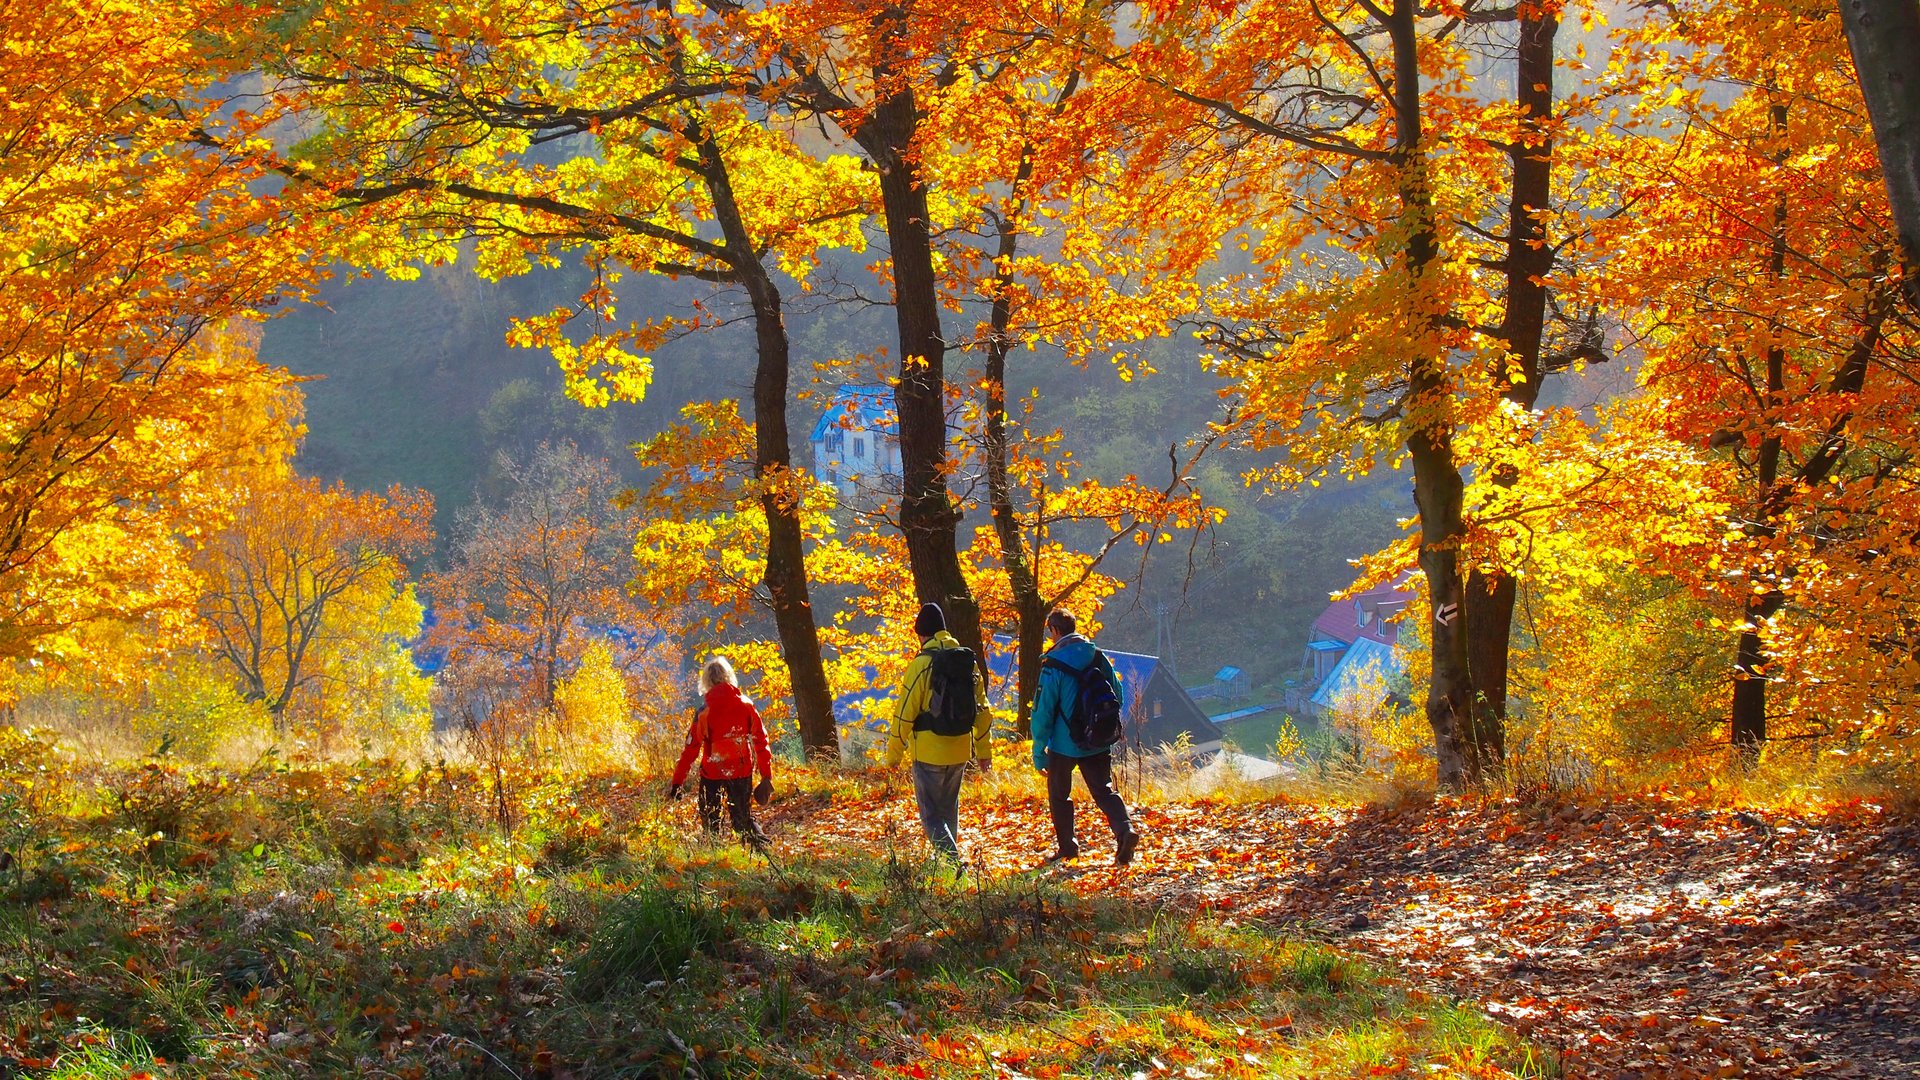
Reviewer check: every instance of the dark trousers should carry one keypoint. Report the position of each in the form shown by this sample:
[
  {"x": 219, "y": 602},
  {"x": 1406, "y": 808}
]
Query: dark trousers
[
  {"x": 1097, "y": 771},
  {"x": 739, "y": 794}
]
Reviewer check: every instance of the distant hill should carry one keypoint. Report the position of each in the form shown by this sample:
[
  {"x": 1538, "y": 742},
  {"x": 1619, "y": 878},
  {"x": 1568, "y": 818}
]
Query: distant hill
[{"x": 413, "y": 381}]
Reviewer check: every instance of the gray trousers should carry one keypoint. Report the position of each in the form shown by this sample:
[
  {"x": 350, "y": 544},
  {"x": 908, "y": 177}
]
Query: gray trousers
[{"x": 936, "y": 788}]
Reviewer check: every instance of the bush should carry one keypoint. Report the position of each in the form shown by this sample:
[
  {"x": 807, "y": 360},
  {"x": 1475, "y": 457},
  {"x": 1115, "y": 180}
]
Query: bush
[
  {"x": 194, "y": 712},
  {"x": 372, "y": 821},
  {"x": 590, "y": 718},
  {"x": 162, "y": 800}
]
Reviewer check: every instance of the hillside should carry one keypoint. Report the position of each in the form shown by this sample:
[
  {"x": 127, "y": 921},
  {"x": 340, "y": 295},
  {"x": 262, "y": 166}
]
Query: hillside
[{"x": 413, "y": 383}]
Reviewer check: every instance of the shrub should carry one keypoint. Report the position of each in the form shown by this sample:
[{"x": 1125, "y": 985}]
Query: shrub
[
  {"x": 162, "y": 799},
  {"x": 590, "y": 721},
  {"x": 194, "y": 711}
]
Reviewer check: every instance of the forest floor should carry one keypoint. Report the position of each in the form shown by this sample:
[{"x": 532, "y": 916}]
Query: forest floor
[
  {"x": 1639, "y": 937},
  {"x": 166, "y": 920}
]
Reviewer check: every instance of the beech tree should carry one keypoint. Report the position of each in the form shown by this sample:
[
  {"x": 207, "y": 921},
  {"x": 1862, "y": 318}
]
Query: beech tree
[
  {"x": 1760, "y": 269},
  {"x": 471, "y": 103},
  {"x": 127, "y": 244},
  {"x": 872, "y": 82},
  {"x": 1399, "y": 225}
]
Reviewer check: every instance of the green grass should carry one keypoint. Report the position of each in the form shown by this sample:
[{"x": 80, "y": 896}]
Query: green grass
[
  {"x": 428, "y": 944},
  {"x": 1256, "y": 734}
]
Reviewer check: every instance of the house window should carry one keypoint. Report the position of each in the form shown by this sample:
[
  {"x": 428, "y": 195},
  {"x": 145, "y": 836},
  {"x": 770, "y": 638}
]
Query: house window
[
  {"x": 1158, "y": 708},
  {"x": 859, "y": 446}
]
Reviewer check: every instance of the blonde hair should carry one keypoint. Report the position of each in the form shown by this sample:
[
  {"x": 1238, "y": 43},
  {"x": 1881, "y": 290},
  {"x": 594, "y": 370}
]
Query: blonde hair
[{"x": 716, "y": 672}]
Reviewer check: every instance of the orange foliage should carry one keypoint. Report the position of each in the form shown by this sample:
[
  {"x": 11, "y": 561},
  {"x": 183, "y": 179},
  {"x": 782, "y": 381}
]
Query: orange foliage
[
  {"x": 131, "y": 224},
  {"x": 297, "y": 549}
]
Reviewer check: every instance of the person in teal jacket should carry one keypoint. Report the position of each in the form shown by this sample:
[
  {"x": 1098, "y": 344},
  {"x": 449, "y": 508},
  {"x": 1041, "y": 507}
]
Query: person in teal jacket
[{"x": 1056, "y": 754}]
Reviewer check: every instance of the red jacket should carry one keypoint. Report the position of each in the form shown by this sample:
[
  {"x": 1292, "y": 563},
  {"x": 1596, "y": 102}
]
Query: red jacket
[{"x": 729, "y": 737}]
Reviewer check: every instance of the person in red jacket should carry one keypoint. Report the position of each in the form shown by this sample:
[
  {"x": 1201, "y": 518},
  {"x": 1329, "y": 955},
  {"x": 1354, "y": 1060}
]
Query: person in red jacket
[{"x": 730, "y": 740}]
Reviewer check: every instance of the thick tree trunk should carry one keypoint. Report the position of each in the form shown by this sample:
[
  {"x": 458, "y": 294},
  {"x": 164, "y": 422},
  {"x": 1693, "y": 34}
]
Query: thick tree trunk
[
  {"x": 928, "y": 517},
  {"x": 1884, "y": 36},
  {"x": 786, "y": 573},
  {"x": 1438, "y": 491},
  {"x": 1491, "y": 594}
]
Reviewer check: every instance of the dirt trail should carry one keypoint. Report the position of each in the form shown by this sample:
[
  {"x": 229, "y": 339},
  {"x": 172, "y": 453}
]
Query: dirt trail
[{"x": 1643, "y": 939}]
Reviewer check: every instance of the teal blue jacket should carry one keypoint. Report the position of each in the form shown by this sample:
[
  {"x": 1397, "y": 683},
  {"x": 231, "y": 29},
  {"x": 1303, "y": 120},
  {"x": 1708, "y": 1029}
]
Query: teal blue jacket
[{"x": 1055, "y": 700}]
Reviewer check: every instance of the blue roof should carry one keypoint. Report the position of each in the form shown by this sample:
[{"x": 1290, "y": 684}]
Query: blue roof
[
  {"x": 869, "y": 407},
  {"x": 1360, "y": 675},
  {"x": 1240, "y": 714},
  {"x": 1134, "y": 669},
  {"x": 1326, "y": 645},
  {"x": 1227, "y": 674},
  {"x": 1135, "y": 672}
]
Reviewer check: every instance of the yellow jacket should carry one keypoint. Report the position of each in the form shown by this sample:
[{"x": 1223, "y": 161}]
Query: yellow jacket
[{"x": 916, "y": 688}]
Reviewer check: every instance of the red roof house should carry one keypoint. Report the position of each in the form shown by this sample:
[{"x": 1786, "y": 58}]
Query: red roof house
[{"x": 1360, "y": 617}]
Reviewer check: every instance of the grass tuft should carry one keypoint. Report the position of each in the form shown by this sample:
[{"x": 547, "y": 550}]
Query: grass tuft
[{"x": 646, "y": 937}]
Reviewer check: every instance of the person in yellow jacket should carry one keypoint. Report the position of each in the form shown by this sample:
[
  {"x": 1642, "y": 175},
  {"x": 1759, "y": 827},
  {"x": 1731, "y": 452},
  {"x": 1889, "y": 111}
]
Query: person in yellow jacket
[{"x": 937, "y": 732}]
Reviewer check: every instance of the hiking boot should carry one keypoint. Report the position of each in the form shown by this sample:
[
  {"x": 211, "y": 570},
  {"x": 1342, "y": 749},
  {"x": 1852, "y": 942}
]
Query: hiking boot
[
  {"x": 1123, "y": 853},
  {"x": 1061, "y": 855}
]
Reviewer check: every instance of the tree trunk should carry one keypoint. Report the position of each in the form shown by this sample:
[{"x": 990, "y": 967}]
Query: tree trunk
[
  {"x": 1884, "y": 36},
  {"x": 1438, "y": 491},
  {"x": 1030, "y": 608},
  {"x": 1491, "y": 593},
  {"x": 786, "y": 573},
  {"x": 1747, "y": 726},
  {"x": 928, "y": 517},
  {"x": 1747, "y": 716},
  {"x": 786, "y": 576}
]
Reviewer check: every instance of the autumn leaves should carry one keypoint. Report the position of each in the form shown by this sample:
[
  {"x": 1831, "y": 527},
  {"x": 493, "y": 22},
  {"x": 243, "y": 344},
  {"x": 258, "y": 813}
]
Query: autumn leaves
[{"x": 1402, "y": 235}]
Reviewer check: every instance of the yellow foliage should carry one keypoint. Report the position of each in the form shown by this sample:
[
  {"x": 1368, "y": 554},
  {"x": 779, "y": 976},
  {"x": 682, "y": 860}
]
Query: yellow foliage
[
  {"x": 366, "y": 696},
  {"x": 592, "y": 715},
  {"x": 193, "y": 709}
]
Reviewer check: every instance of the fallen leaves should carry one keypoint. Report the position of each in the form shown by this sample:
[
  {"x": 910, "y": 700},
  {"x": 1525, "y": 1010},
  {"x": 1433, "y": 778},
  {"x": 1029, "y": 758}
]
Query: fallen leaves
[{"x": 1643, "y": 937}]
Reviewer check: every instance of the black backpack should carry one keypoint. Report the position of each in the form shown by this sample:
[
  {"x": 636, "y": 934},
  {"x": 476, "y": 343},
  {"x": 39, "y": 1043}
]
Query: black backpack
[
  {"x": 1093, "y": 721},
  {"x": 951, "y": 706}
]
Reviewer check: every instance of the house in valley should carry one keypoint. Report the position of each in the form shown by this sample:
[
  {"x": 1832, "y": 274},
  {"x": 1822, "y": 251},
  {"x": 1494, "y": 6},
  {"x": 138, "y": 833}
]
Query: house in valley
[
  {"x": 856, "y": 444},
  {"x": 1351, "y": 652}
]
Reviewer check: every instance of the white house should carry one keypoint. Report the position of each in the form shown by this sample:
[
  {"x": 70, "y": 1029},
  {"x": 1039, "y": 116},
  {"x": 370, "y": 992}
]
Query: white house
[{"x": 856, "y": 443}]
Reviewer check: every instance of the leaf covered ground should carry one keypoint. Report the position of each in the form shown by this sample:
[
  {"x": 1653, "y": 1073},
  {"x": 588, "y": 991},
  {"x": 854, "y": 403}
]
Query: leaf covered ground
[
  {"x": 379, "y": 921},
  {"x": 1642, "y": 937},
  {"x": 289, "y": 922}
]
